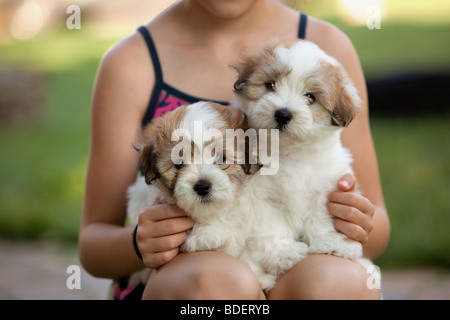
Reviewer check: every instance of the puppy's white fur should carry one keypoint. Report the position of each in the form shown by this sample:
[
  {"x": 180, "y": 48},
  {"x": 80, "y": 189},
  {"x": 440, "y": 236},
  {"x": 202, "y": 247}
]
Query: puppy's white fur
[
  {"x": 318, "y": 100},
  {"x": 235, "y": 217}
]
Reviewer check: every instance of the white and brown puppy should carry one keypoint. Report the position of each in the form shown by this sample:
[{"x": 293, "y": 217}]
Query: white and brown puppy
[
  {"x": 183, "y": 156},
  {"x": 307, "y": 95},
  {"x": 216, "y": 189}
]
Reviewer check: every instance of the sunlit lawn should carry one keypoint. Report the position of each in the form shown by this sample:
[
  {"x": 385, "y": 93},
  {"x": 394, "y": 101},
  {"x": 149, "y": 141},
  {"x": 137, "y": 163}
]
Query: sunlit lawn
[
  {"x": 415, "y": 169},
  {"x": 43, "y": 170},
  {"x": 43, "y": 163}
]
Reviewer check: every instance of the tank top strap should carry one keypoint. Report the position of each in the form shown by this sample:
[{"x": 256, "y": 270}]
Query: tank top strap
[
  {"x": 153, "y": 53},
  {"x": 302, "y": 26}
]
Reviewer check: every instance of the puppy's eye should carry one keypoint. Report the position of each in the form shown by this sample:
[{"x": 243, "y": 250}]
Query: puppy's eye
[
  {"x": 270, "y": 86},
  {"x": 311, "y": 98},
  {"x": 179, "y": 164}
]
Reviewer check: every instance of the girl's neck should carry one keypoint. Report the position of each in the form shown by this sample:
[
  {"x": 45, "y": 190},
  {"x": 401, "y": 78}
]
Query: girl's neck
[{"x": 222, "y": 23}]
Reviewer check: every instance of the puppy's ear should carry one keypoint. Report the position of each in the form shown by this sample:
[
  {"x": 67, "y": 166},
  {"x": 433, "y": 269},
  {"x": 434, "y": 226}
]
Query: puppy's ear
[
  {"x": 239, "y": 84},
  {"x": 244, "y": 69},
  {"x": 147, "y": 162},
  {"x": 347, "y": 102},
  {"x": 144, "y": 144}
]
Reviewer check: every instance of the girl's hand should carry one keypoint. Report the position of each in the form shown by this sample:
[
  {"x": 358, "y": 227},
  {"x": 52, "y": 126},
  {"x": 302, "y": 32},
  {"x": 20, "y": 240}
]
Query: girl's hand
[
  {"x": 161, "y": 230},
  {"x": 352, "y": 212}
]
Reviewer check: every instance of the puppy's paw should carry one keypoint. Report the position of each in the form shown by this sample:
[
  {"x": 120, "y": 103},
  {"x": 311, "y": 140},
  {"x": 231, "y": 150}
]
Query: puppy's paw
[
  {"x": 202, "y": 241},
  {"x": 267, "y": 281},
  {"x": 350, "y": 250},
  {"x": 337, "y": 246},
  {"x": 286, "y": 256}
]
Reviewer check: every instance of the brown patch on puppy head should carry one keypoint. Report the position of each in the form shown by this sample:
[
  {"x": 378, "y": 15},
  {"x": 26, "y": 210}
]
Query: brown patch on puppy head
[
  {"x": 237, "y": 175},
  {"x": 155, "y": 146},
  {"x": 339, "y": 95},
  {"x": 258, "y": 70},
  {"x": 348, "y": 102},
  {"x": 236, "y": 120},
  {"x": 147, "y": 162},
  {"x": 234, "y": 117}
]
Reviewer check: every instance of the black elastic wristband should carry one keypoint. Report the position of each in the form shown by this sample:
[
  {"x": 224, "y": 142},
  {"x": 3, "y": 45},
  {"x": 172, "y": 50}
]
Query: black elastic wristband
[{"x": 136, "y": 249}]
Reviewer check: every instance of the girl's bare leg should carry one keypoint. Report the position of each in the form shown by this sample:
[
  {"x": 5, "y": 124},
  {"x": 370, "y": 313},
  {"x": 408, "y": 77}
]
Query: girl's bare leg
[
  {"x": 324, "y": 277},
  {"x": 203, "y": 275}
]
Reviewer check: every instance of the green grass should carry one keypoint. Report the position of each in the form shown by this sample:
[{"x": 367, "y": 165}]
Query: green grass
[
  {"x": 43, "y": 169},
  {"x": 401, "y": 48},
  {"x": 42, "y": 164},
  {"x": 413, "y": 156}
]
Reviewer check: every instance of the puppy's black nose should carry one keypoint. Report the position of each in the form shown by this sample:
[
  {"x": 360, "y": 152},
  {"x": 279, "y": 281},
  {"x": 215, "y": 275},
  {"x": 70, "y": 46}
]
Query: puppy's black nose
[
  {"x": 282, "y": 117},
  {"x": 202, "y": 187}
]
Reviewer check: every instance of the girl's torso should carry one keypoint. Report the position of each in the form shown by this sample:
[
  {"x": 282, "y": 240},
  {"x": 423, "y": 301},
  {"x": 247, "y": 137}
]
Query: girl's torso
[{"x": 186, "y": 72}]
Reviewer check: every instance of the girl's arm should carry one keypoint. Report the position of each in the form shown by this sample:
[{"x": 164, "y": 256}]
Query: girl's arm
[
  {"x": 120, "y": 99},
  {"x": 120, "y": 96}
]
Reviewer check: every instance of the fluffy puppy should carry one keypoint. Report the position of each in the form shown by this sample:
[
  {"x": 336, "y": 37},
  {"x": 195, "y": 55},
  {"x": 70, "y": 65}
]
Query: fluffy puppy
[
  {"x": 307, "y": 96},
  {"x": 183, "y": 159},
  {"x": 216, "y": 189}
]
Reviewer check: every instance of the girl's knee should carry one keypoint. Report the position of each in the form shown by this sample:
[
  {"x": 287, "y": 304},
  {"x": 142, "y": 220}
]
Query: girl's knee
[
  {"x": 325, "y": 277},
  {"x": 347, "y": 280},
  {"x": 203, "y": 275},
  {"x": 231, "y": 281}
]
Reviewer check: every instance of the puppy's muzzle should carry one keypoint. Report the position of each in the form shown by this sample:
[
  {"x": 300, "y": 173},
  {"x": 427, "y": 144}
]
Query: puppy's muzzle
[
  {"x": 282, "y": 117},
  {"x": 202, "y": 187}
]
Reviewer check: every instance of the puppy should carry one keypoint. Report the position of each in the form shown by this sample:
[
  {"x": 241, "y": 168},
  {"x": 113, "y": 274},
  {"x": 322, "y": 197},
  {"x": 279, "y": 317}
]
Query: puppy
[
  {"x": 307, "y": 96},
  {"x": 211, "y": 179},
  {"x": 183, "y": 158}
]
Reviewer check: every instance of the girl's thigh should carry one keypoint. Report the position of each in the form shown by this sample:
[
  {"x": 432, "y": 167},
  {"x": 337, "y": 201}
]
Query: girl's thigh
[
  {"x": 203, "y": 275},
  {"x": 324, "y": 277}
]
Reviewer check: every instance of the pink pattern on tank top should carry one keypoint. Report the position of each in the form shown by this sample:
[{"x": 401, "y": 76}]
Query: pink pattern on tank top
[{"x": 167, "y": 102}]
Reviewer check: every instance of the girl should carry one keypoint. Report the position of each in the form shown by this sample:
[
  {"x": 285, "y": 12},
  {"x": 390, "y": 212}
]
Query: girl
[{"x": 183, "y": 56}]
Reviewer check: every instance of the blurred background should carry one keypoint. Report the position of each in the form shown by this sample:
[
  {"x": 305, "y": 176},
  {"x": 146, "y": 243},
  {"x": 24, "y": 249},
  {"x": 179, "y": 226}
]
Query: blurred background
[{"x": 47, "y": 73}]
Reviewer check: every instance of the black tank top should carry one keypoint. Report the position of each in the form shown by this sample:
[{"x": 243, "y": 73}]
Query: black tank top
[{"x": 164, "y": 97}]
